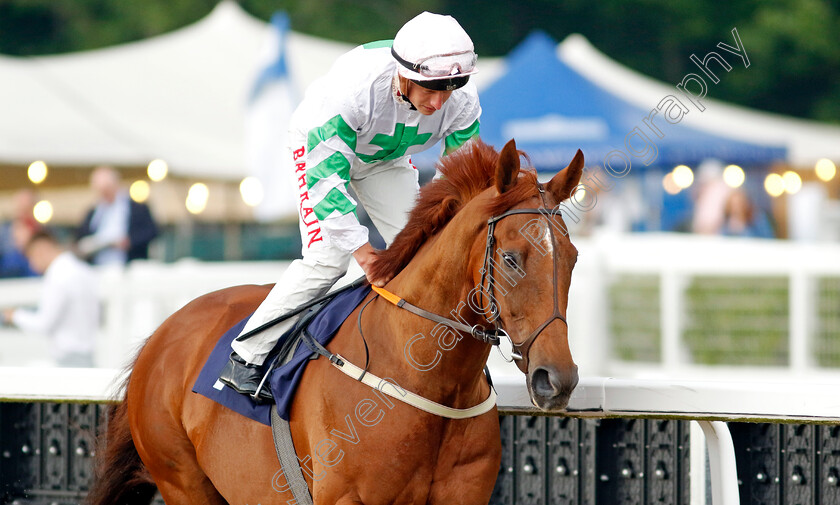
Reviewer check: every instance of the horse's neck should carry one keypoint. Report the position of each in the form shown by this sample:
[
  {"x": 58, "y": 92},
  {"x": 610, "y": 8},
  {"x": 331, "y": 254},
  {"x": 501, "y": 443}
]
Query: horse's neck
[{"x": 436, "y": 280}]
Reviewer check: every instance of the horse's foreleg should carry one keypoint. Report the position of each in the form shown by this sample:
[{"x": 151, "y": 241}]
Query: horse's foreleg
[
  {"x": 189, "y": 489},
  {"x": 468, "y": 463}
]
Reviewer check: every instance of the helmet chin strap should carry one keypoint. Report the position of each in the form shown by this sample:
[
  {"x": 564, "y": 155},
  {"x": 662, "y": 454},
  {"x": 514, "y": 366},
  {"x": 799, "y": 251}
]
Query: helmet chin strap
[{"x": 403, "y": 97}]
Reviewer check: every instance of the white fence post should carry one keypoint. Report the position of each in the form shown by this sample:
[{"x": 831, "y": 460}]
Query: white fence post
[
  {"x": 588, "y": 313},
  {"x": 671, "y": 314},
  {"x": 801, "y": 306},
  {"x": 722, "y": 467},
  {"x": 697, "y": 465}
]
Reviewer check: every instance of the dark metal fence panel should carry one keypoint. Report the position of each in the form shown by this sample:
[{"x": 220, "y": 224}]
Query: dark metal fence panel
[
  {"x": 788, "y": 464},
  {"x": 47, "y": 451},
  {"x": 530, "y": 460},
  {"x": 589, "y": 462},
  {"x": 828, "y": 458},
  {"x": 620, "y": 462},
  {"x": 667, "y": 468},
  {"x": 799, "y": 463},
  {"x": 757, "y": 456},
  {"x": 503, "y": 493}
]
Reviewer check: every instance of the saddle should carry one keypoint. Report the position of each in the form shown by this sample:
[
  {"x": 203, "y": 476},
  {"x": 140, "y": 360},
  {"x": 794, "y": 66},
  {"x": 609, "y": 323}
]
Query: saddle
[{"x": 317, "y": 325}]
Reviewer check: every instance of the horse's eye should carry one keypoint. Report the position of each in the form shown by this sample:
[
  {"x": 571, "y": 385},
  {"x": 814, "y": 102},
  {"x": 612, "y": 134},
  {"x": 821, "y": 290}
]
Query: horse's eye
[{"x": 510, "y": 259}]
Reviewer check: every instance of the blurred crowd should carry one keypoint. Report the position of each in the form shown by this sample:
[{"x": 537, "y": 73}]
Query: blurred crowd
[
  {"x": 708, "y": 207},
  {"x": 722, "y": 210},
  {"x": 115, "y": 231}
]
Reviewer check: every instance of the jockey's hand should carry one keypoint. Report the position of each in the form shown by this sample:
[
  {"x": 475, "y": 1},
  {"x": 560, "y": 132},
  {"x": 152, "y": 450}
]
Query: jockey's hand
[{"x": 365, "y": 257}]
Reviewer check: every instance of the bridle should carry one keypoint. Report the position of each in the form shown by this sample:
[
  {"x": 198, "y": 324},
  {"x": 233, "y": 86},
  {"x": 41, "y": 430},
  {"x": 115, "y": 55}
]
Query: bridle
[
  {"x": 494, "y": 336},
  {"x": 520, "y": 350}
]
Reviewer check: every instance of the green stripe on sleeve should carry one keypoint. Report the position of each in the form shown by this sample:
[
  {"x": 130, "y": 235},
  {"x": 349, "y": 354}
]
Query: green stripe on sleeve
[
  {"x": 335, "y": 126},
  {"x": 456, "y": 139},
  {"x": 336, "y": 163},
  {"x": 334, "y": 200}
]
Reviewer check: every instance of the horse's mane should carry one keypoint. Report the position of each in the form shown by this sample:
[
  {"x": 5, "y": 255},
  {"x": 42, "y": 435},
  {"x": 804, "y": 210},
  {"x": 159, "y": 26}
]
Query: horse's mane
[{"x": 465, "y": 173}]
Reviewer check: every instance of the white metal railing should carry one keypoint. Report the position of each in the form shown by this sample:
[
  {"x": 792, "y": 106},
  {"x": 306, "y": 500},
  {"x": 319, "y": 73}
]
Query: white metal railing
[
  {"x": 137, "y": 299},
  {"x": 674, "y": 260}
]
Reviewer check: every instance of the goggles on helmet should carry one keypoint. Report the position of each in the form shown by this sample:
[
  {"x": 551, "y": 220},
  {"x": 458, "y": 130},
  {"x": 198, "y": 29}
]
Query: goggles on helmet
[
  {"x": 449, "y": 84},
  {"x": 441, "y": 66}
]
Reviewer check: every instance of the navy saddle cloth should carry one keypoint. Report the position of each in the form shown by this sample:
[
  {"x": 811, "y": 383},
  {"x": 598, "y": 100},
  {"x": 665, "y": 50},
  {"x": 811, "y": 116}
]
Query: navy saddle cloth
[{"x": 284, "y": 379}]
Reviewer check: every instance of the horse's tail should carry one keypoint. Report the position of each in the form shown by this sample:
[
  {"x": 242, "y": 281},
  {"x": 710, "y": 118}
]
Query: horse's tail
[{"x": 120, "y": 478}]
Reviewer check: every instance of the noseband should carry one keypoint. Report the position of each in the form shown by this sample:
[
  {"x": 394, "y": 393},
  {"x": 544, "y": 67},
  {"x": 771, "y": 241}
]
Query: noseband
[{"x": 493, "y": 337}]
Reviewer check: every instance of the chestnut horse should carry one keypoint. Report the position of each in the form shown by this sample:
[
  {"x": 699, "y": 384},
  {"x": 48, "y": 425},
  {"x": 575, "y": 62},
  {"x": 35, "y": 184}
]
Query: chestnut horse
[{"x": 356, "y": 446}]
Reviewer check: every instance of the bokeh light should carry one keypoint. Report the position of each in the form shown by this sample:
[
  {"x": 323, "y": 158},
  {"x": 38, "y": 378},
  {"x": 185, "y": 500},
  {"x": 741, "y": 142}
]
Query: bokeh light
[
  {"x": 826, "y": 169},
  {"x": 774, "y": 185},
  {"x": 139, "y": 191},
  {"x": 37, "y": 172},
  {"x": 793, "y": 183},
  {"x": 157, "y": 170},
  {"x": 251, "y": 190},
  {"x": 669, "y": 185},
  {"x": 43, "y": 211},
  {"x": 683, "y": 176},
  {"x": 197, "y": 198},
  {"x": 733, "y": 176}
]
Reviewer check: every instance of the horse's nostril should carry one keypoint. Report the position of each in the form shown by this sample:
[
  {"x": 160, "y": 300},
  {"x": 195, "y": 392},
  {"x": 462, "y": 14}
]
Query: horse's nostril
[
  {"x": 541, "y": 382},
  {"x": 548, "y": 382}
]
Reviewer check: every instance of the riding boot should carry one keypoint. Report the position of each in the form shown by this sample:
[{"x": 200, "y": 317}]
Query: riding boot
[{"x": 245, "y": 378}]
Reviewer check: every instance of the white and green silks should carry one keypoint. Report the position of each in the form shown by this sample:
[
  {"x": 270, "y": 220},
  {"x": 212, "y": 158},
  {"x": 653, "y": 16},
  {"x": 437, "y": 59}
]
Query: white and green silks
[{"x": 354, "y": 122}]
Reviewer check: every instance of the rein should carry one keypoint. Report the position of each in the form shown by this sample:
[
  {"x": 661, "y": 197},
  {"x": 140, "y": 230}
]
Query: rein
[{"x": 489, "y": 337}]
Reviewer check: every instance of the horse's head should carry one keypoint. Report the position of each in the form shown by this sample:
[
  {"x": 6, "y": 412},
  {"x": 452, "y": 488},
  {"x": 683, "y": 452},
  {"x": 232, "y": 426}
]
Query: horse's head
[
  {"x": 502, "y": 239},
  {"x": 525, "y": 268}
]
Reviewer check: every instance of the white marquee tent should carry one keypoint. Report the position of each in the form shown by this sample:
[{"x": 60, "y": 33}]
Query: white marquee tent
[
  {"x": 178, "y": 96},
  {"x": 181, "y": 97}
]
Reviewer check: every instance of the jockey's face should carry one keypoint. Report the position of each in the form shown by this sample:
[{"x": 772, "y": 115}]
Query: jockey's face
[{"x": 427, "y": 101}]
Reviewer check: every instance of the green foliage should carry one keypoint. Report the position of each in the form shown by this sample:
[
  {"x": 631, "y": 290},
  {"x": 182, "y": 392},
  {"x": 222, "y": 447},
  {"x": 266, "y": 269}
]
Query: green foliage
[
  {"x": 791, "y": 44},
  {"x": 634, "y": 318},
  {"x": 737, "y": 321},
  {"x": 827, "y": 341},
  {"x": 726, "y": 320}
]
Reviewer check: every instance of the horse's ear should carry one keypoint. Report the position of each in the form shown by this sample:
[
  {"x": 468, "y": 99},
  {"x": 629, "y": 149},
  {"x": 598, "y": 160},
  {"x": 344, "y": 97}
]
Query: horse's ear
[
  {"x": 562, "y": 184},
  {"x": 507, "y": 169}
]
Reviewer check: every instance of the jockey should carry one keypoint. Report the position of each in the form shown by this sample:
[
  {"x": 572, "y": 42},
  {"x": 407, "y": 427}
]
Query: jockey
[{"x": 357, "y": 127}]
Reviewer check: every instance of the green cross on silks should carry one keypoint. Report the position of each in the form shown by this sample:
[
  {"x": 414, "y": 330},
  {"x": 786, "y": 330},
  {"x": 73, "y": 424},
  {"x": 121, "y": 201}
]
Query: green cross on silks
[{"x": 394, "y": 146}]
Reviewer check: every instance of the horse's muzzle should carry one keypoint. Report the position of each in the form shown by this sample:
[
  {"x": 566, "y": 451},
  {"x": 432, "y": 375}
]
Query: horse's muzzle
[{"x": 551, "y": 388}]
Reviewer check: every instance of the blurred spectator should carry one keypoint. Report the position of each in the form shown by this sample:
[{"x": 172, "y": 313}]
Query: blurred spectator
[
  {"x": 68, "y": 310},
  {"x": 118, "y": 229},
  {"x": 742, "y": 219},
  {"x": 710, "y": 201},
  {"x": 13, "y": 263}
]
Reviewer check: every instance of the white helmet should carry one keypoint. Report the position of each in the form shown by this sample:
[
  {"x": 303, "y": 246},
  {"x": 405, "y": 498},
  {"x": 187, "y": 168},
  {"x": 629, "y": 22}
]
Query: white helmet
[{"x": 435, "y": 52}]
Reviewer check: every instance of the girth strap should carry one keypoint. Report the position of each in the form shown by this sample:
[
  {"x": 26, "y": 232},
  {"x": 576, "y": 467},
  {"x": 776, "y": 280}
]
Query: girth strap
[{"x": 287, "y": 455}]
